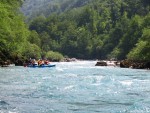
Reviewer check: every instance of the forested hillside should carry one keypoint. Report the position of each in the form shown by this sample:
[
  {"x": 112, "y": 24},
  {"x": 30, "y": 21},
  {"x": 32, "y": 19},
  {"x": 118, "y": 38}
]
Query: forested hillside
[
  {"x": 13, "y": 31},
  {"x": 14, "y": 34},
  {"x": 34, "y": 8},
  {"x": 100, "y": 29}
]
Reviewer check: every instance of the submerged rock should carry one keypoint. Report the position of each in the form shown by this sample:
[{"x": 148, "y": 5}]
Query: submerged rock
[
  {"x": 5, "y": 63},
  {"x": 108, "y": 63},
  {"x": 69, "y": 60},
  {"x": 19, "y": 62},
  {"x": 101, "y": 63}
]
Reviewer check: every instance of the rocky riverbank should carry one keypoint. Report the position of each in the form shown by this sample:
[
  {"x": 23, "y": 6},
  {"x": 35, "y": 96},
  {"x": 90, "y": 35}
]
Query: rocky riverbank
[
  {"x": 108, "y": 63},
  {"x": 17, "y": 62},
  {"x": 122, "y": 64},
  {"x": 21, "y": 61},
  {"x": 135, "y": 64},
  {"x": 5, "y": 63},
  {"x": 125, "y": 64}
]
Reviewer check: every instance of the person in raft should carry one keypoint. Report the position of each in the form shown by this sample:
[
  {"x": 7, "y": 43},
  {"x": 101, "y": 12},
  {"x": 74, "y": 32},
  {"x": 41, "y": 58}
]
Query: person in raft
[
  {"x": 46, "y": 62},
  {"x": 34, "y": 62},
  {"x": 40, "y": 62}
]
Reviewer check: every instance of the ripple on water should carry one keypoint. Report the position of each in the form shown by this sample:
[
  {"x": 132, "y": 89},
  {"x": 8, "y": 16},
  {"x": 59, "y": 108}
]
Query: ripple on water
[
  {"x": 74, "y": 87},
  {"x": 127, "y": 82},
  {"x": 5, "y": 107}
]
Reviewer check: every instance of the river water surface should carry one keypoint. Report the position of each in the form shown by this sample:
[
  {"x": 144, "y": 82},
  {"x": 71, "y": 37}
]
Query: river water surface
[{"x": 74, "y": 87}]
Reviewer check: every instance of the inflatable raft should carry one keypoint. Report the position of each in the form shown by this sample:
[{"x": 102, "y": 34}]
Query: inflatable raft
[{"x": 41, "y": 66}]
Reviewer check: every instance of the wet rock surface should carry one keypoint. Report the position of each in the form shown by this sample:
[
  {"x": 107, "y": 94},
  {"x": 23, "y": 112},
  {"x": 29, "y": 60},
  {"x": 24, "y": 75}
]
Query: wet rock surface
[{"x": 135, "y": 64}]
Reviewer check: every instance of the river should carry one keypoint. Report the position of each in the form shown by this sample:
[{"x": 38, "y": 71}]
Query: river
[{"x": 74, "y": 87}]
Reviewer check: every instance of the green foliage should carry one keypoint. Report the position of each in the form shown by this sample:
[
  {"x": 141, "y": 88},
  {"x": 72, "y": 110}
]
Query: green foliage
[
  {"x": 86, "y": 29},
  {"x": 136, "y": 53},
  {"x": 34, "y": 38},
  {"x": 13, "y": 31},
  {"x": 54, "y": 56},
  {"x": 32, "y": 51},
  {"x": 142, "y": 49},
  {"x": 131, "y": 36},
  {"x": 44, "y": 41},
  {"x": 34, "y": 8},
  {"x": 38, "y": 24},
  {"x": 97, "y": 29}
]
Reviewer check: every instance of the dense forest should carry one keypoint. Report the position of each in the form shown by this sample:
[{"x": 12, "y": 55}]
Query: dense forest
[
  {"x": 34, "y": 8},
  {"x": 85, "y": 29},
  {"x": 13, "y": 30}
]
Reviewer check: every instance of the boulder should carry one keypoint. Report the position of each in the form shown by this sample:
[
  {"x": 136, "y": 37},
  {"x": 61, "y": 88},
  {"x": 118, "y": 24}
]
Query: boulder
[
  {"x": 135, "y": 64},
  {"x": 101, "y": 63},
  {"x": 4, "y": 63}
]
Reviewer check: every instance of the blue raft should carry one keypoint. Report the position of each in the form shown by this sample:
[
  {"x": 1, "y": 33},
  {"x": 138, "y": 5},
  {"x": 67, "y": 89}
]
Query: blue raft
[{"x": 42, "y": 66}]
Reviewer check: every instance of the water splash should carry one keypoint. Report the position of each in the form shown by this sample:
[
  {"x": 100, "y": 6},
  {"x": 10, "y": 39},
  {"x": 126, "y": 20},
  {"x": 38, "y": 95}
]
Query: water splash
[{"x": 74, "y": 87}]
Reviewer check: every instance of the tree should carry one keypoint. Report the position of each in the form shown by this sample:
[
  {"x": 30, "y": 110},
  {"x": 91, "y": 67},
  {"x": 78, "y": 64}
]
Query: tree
[
  {"x": 38, "y": 24},
  {"x": 131, "y": 37},
  {"x": 142, "y": 49},
  {"x": 32, "y": 51},
  {"x": 54, "y": 56},
  {"x": 13, "y": 31},
  {"x": 34, "y": 38},
  {"x": 94, "y": 28}
]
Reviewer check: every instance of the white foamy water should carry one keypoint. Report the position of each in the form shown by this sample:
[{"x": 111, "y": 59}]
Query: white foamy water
[{"x": 74, "y": 87}]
